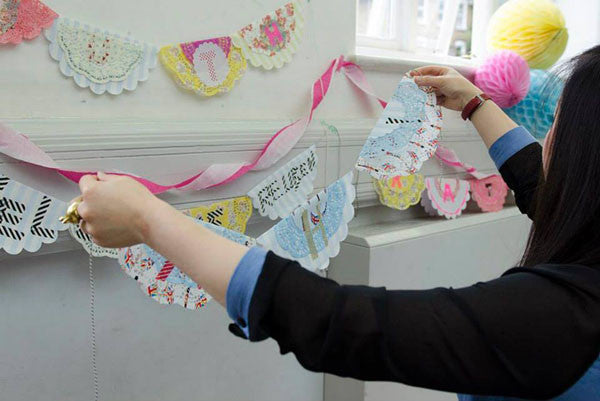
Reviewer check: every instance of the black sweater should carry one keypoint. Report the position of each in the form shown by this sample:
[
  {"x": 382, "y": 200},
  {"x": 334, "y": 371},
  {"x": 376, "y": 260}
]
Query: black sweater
[{"x": 531, "y": 333}]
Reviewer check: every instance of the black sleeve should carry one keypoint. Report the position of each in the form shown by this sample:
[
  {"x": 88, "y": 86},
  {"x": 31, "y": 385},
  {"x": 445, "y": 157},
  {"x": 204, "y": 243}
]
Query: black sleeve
[
  {"x": 522, "y": 174},
  {"x": 531, "y": 333}
]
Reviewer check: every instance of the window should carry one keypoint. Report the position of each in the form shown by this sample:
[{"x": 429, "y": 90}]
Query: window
[
  {"x": 427, "y": 27},
  {"x": 422, "y": 11},
  {"x": 462, "y": 16},
  {"x": 459, "y": 48}
]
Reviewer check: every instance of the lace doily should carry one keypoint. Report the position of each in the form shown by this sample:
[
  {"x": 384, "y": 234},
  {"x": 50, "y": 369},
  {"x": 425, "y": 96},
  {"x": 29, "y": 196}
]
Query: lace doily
[
  {"x": 273, "y": 40},
  {"x": 489, "y": 193},
  {"x": 98, "y": 59},
  {"x": 207, "y": 67},
  {"x": 400, "y": 192},
  {"x": 280, "y": 193},
  {"x": 161, "y": 280},
  {"x": 90, "y": 247},
  {"x": 312, "y": 234},
  {"x": 406, "y": 134},
  {"x": 446, "y": 197},
  {"x": 231, "y": 213},
  {"x": 28, "y": 218},
  {"x": 23, "y": 19}
]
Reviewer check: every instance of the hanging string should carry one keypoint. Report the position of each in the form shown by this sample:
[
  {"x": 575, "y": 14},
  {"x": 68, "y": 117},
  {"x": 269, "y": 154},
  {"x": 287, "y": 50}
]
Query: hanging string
[{"x": 93, "y": 330}]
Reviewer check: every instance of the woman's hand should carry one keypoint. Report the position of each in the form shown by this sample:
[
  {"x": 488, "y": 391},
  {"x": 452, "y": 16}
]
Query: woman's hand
[
  {"x": 452, "y": 89},
  {"x": 115, "y": 209}
]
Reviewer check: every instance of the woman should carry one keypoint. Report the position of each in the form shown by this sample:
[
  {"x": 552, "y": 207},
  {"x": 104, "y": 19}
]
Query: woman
[{"x": 533, "y": 333}]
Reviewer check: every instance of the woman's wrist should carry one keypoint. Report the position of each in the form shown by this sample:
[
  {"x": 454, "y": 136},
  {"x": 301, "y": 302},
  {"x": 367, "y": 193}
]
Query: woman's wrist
[
  {"x": 468, "y": 95},
  {"x": 154, "y": 214}
]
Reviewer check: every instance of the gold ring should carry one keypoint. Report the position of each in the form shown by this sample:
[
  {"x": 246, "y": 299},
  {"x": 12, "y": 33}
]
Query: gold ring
[{"x": 72, "y": 216}]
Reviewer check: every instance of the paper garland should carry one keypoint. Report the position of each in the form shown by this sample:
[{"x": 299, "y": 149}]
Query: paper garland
[
  {"x": 400, "y": 192},
  {"x": 207, "y": 67},
  {"x": 405, "y": 135},
  {"x": 280, "y": 193},
  {"x": 100, "y": 60},
  {"x": 446, "y": 197},
  {"x": 23, "y": 19},
  {"x": 311, "y": 235},
  {"x": 489, "y": 193},
  {"x": 232, "y": 214},
  {"x": 271, "y": 41},
  {"x": 88, "y": 244},
  {"x": 28, "y": 218},
  {"x": 161, "y": 280}
]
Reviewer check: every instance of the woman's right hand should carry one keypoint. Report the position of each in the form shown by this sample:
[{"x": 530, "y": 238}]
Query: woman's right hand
[{"x": 453, "y": 90}]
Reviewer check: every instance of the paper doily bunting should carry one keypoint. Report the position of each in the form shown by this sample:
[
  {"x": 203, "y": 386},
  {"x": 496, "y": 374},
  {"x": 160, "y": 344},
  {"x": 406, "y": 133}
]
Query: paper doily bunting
[{"x": 446, "y": 197}]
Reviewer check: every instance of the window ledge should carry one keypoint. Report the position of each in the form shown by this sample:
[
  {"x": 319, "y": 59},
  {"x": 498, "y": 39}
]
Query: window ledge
[{"x": 386, "y": 60}]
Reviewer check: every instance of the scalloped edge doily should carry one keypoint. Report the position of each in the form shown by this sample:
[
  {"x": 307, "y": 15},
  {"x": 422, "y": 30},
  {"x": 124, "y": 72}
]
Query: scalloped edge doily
[
  {"x": 140, "y": 74},
  {"x": 85, "y": 240},
  {"x": 282, "y": 57},
  {"x": 431, "y": 131},
  {"x": 146, "y": 279},
  {"x": 483, "y": 202},
  {"x": 15, "y": 192},
  {"x": 205, "y": 90},
  {"x": 429, "y": 205},
  {"x": 269, "y": 240},
  {"x": 292, "y": 199},
  {"x": 15, "y": 36},
  {"x": 381, "y": 185}
]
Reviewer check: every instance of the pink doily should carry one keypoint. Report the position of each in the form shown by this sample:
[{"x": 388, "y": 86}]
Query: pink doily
[
  {"x": 31, "y": 17},
  {"x": 489, "y": 193}
]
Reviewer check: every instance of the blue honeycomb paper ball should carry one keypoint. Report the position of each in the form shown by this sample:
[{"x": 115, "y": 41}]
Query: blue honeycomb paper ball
[{"x": 536, "y": 111}]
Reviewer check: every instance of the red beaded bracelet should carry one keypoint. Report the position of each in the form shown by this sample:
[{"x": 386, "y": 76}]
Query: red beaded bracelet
[{"x": 473, "y": 105}]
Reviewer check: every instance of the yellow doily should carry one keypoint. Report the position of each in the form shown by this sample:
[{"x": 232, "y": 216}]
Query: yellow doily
[
  {"x": 185, "y": 74},
  {"x": 400, "y": 192},
  {"x": 231, "y": 213}
]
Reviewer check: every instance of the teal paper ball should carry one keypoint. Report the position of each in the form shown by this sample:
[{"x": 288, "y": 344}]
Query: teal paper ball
[{"x": 536, "y": 111}]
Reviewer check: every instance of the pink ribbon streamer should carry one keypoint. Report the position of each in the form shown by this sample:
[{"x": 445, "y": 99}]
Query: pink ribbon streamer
[
  {"x": 19, "y": 147},
  {"x": 450, "y": 158}
]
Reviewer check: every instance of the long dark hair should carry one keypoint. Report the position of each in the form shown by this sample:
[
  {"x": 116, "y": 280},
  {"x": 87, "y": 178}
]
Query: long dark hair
[{"x": 566, "y": 226}]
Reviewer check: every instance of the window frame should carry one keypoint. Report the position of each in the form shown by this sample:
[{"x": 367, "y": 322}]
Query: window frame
[{"x": 372, "y": 47}]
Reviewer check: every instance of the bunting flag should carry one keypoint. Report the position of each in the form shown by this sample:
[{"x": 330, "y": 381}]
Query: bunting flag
[
  {"x": 312, "y": 234},
  {"x": 28, "y": 218},
  {"x": 164, "y": 282},
  {"x": 406, "y": 134},
  {"x": 446, "y": 197},
  {"x": 207, "y": 67},
  {"x": 489, "y": 193},
  {"x": 283, "y": 191},
  {"x": 88, "y": 244},
  {"x": 272, "y": 41},
  {"x": 100, "y": 60},
  {"x": 488, "y": 190},
  {"x": 232, "y": 214},
  {"x": 23, "y": 19},
  {"x": 400, "y": 192}
]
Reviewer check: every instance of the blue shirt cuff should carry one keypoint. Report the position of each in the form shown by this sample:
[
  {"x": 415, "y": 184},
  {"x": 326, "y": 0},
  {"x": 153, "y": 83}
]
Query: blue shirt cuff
[
  {"x": 509, "y": 144},
  {"x": 241, "y": 286}
]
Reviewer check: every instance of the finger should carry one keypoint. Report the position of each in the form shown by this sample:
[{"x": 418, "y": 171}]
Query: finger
[
  {"x": 87, "y": 181},
  {"x": 83, "y": 210},
  {"x": 429, "y": 80},
  {"x": 440, "y": 100},
  {"x": 429, "y": 70},
  {"x": 106, "y": 177},
  {"x": 83, "y": 226}
]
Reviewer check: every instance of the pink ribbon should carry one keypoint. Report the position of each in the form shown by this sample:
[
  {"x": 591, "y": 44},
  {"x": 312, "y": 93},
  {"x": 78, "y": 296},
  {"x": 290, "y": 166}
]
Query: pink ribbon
[
  {"x": 450, "y": 158},
  {"x": 19, "y": 147}
]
